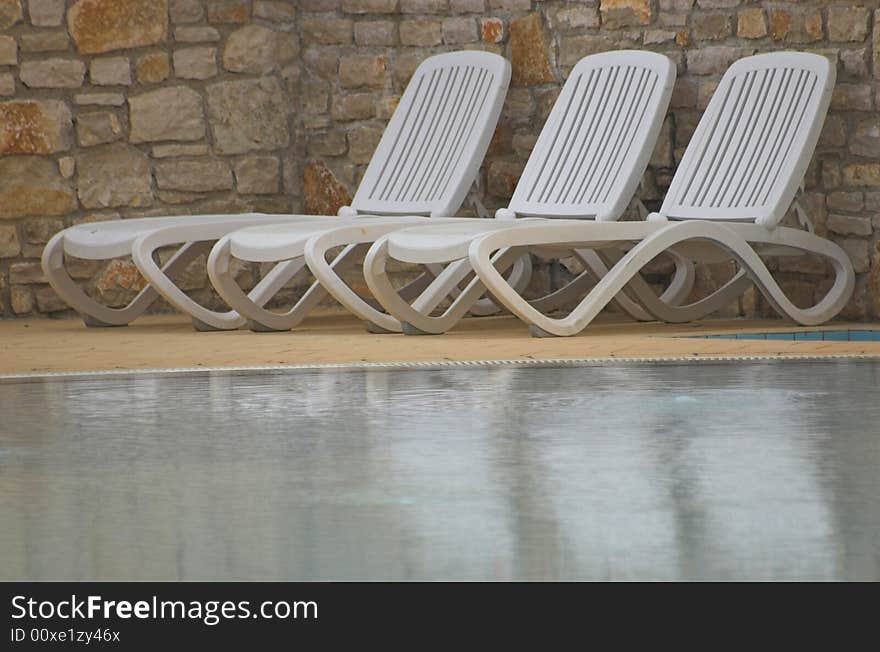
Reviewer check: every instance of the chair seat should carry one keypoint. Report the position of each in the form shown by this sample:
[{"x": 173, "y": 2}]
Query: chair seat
[
  {"x": 276, "y": 242},
  {"x": 440, "y": 243},
  {"x": 102, "y": 240}
]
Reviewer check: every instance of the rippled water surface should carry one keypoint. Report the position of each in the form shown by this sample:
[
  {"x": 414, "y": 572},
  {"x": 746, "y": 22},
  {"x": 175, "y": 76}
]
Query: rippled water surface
[{"x": 657, "y": 472}]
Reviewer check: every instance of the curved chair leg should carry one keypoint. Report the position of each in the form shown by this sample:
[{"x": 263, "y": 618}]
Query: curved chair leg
[
  {"x": 416, "y": 317},
  {"x": 835, "y": 299},
  {"x": 142, "y": 252},
  {"x": 680, "y": 287},
  {"x": 667, "y": 306},
  {"x": 250, "y": 305},
  {"x": 652, "y": 307},
  {"x": 271, "y": 322},
  {"x": 96, "y": 314},
  {"x": 598, "y": 266},
  {"x": 413, "y": 321},
  {"x": 378, "y": 322},
  {"x": 683, "y": 280},
  {"x": 631, "y": 264},
  {"x": 420, "y": 312},
  {"x": 417, "y": 320},
  {"x": 520, "y": 275},
  {"x": 451, "y": 288},
  {"x": 724, "y": 296},
  {"x": 408, "y": 292},
  {"x": 204, "y": 319},
  {"x": 567, "y": 294},
  {"x": 357, "y": 236}
]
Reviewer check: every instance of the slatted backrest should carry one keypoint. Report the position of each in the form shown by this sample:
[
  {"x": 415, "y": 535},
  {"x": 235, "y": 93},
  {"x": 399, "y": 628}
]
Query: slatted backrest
[
  {"x": 436, "y": 140},
  {"x": 598, "y": 138},
  {"x": 752, "y": 146}
]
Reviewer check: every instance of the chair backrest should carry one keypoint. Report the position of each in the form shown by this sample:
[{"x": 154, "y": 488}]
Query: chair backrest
[
  {"x": 755, "y": 140},
  {"x": 599, "y": 137},
  {"x": 435, "y": 142}
]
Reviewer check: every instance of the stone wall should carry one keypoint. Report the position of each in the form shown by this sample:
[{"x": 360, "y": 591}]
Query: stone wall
[{"x": 119, "y": 107}]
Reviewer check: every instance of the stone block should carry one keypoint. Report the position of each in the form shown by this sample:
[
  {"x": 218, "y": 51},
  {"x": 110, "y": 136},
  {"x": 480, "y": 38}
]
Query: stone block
[
  {"x": 457, "y": 31},
  {"x": 326, "y": 31},
  {"x": 34, "y": 127},
  {"x": 186, "y": 11},
  {"x": 254, "y": 50},
  {"x": 528, "y": 52},
  {"x": 195, "y": 63},
  {"x": 751, "y": 23},
  {"x": 258, "y": 175},
  {"x": 323, "y": 193},
  {"x": 376, "y": 33},
  {"x": 174, "y": 113},
  {"x": 44, "y": 41},
  {"x": 114, "y": 176},
  {"x": 99, "y": 26},
  {"x": 362, "y": 142},
  {"x": 710, "y": 27},
  {"x": 625, "y": 13},
  {"x": 97, "y": 128},
  {"x": 276, "y": 11},
  {"x": 369, "y": 6},
  {"x": 8, "y": 51},
  {"x": 355, "y": 106},
  {"x": 53, "y": 73},
  {"x": 248, "y": 115},
  {"x": 32, "y": 185},
  {"x": 46, "y": 13},
  {"x": 111, "y": 71},
  {"x": 196, "y": 34},
  {"x": 796, "y": 25},
  {"x": 10, "y": 13},
  {"x": 848, "y": 23},
  {"x": 153, "y": 68},
  {"x": 10, "y": 245},
  {"x": 362, "y": 71},
  {"x": 421, "y": 33},
  {"x": 228, "y": 11},
  {"x": 194, "y": 176}
]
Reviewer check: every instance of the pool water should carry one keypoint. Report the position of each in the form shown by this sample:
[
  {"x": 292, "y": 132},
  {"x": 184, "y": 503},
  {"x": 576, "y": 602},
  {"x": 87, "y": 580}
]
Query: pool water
[{"x": 705, "y": 471}]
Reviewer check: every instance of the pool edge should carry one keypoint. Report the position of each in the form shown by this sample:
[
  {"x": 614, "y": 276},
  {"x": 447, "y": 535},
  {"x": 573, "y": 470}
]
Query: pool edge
[{"x": 438, "y": 364}]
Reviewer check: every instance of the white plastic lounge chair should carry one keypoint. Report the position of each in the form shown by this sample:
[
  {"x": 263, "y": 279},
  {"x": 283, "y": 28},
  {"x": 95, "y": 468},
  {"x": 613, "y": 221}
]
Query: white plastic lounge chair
[
  {"x": 587, "y": 163},
  {"x": 736, "y": 181},
  {"x": 607, "y": 120},
  {"x": 452, "y": 103},
  {"x": 425, "y": 171}
]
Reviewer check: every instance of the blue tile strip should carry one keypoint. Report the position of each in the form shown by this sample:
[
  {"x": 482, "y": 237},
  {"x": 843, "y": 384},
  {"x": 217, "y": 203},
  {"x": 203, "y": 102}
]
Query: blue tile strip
[{"x": 800, "y": 336}]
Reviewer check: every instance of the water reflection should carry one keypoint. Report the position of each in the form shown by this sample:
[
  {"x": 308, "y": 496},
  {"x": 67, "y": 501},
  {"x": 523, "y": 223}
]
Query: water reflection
[{"x": 746, "y": 471}]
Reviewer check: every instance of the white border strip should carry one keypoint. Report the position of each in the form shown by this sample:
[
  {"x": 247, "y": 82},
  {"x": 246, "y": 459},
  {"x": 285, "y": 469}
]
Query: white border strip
[{"x": 443, "y": 364}]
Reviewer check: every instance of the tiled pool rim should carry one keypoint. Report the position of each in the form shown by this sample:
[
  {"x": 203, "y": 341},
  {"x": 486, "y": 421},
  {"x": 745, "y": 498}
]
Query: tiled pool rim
[
  {"x": 848, "y": 335},
  {"x": 442, "y": 364}
]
